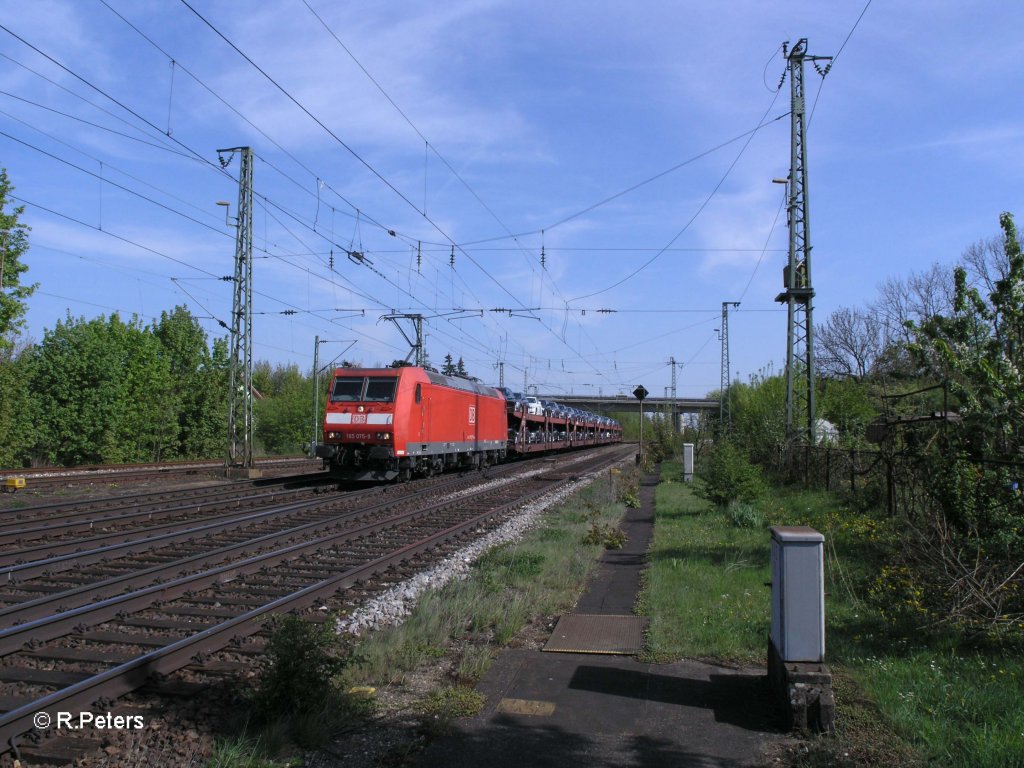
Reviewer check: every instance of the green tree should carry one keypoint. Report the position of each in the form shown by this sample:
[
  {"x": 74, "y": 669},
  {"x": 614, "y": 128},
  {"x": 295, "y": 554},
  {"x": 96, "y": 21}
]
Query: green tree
[
  {"x": 19, "y": 408},
  {"x": 105, "y": 387},
  {"x": 663, "y": 442},
  {"x": 727, "y": 475},
  {"x": 979, "y": 351},
  {"x": 198, "y": 385},
  {"x": 281, "y": 418},
  {"x": 847, "y": 404},
  {"x": 759, "y": 416},
  {"x": 969, "y": 536},
  {"x": 13, "y": 245}
]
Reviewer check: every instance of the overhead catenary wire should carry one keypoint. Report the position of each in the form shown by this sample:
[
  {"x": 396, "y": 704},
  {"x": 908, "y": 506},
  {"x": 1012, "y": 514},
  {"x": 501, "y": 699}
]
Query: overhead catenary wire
[
  {"x": 195, "y": 155},
  {"x": 308, "y": 259},
  {"x": 700, "y": 209},
  {"x": 321, "y": 182},
  {"x": 374, "y": 172},
  {"x": 429, "y": 147},
  {"x": 390, "y": 231},
  {"x": 111, "y": 183},
  {"x": 141, "y": 246},
  {"x": 190, "y": 153},
  {"x": 563, "y": 339},
  {"x": 83, "y": 121}
]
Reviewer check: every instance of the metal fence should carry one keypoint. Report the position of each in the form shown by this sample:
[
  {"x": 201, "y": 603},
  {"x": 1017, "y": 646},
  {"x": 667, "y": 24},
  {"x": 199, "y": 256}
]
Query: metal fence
[{"x": 899, "y": 481}]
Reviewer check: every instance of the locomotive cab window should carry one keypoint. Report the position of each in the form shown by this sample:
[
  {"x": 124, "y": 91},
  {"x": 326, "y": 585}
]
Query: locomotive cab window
[
  {"x": 346, "y": 390},
  {"x": 381, "y": 390}
]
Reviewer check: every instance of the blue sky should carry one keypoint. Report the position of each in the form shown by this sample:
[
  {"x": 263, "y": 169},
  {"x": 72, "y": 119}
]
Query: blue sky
[{"x": 499, "y": 127}]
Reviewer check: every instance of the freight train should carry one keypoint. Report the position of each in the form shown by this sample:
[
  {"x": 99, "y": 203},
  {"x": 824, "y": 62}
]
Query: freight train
[{"x": 397, "y": 423}]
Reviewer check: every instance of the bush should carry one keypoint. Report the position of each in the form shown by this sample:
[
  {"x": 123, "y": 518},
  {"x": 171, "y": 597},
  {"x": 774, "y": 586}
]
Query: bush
[
  {"x": 727, "y": 475},
  {"x": 297, "y": 688}
]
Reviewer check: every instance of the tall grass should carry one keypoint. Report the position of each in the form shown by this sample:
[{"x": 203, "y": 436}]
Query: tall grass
[{"x": 704, "y": 590}]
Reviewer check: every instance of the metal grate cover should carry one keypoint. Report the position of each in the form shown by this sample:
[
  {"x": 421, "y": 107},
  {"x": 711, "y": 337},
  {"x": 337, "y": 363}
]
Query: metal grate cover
[{"x": 588, "y": 633}]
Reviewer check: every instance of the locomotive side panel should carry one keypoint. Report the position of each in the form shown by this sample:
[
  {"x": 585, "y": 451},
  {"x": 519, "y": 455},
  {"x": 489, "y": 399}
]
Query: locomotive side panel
[{"x": 464, "y": 418}]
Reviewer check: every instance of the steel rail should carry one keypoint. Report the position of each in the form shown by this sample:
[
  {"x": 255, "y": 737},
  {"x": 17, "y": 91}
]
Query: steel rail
[
  {"x": 132, "y": 674},
  {"x": 62, "y": 556},
  {"x": 51, "y": 625},
  {"x": 149, "y": 503},
  {"x": 114, "y": 470},
  {"x": 57, "y": 525},
  {"x": 41, "y": 607},
  {"x": 68, "y": 555}
]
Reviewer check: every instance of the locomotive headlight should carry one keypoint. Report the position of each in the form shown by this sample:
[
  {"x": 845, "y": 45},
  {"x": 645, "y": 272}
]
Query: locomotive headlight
[{"x": 383, "y": 435}]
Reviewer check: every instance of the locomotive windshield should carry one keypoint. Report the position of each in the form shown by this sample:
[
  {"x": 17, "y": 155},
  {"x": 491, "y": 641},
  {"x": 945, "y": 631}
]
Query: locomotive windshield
[
  {"x": 381, "y": 390},
  {"x": 346, "y": 390},
  {"x": 371, "y": 390}
]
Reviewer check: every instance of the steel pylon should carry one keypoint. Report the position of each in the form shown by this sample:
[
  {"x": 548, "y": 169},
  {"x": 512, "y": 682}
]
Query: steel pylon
[
  {"x": 240, "y": 394},
  {"x": 798, "y": 295}
]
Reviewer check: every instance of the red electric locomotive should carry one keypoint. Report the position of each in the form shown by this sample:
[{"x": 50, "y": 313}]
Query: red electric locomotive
[{"x": 393, "y": 423}]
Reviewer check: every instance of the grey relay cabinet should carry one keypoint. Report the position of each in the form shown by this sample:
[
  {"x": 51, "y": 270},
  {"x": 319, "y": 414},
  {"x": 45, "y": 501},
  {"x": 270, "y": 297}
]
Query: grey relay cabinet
[{"x": 798, "y": 594}]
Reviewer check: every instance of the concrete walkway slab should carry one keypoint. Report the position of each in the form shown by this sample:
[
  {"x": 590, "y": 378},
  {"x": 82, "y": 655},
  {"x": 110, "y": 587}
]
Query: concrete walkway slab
[{"x": 582, "y": 709}]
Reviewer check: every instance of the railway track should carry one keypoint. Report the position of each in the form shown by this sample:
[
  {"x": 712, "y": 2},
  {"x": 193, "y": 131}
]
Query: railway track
[
  {"x": 47, "y": 479},
  {"x": 81, "y": 637},
  {"x": 52, "y": 521}
]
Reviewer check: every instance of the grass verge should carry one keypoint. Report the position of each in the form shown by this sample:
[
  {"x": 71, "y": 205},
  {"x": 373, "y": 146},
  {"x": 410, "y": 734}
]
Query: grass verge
[
  {"x": 539, "y": 575},
  {"x": 906, "y": 693}
]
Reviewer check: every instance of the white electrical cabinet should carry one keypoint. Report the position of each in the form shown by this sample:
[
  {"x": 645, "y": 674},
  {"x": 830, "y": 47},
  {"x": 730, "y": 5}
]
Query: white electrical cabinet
[
  {"x": 798, "y": 593},
  {"x": 688, "y": 462}
]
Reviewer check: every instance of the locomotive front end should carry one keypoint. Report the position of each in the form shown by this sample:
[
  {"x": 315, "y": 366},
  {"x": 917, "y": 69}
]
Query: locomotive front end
[{"x": 360, "y": 424}]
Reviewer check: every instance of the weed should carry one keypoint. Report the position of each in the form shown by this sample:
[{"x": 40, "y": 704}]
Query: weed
[
  {"x": 629, "y": 489},
  {"x": 910, "y": 691},
  {"x": 473, "y": 663},
  {"x": 540, "y": 575},
  {"x": 744, "y": 515},
  {"x": 728, "y": 475},
  {"x": 553, "y": 534},
  {"x": 607, "y": 536},
  {"x": 514, "y": 563},
  {"x": 631, "y": 499},
  {"x": 243, "y": 752},
  {"x": 510, "y": 620},
  {"x": 440, "y": 708}
]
